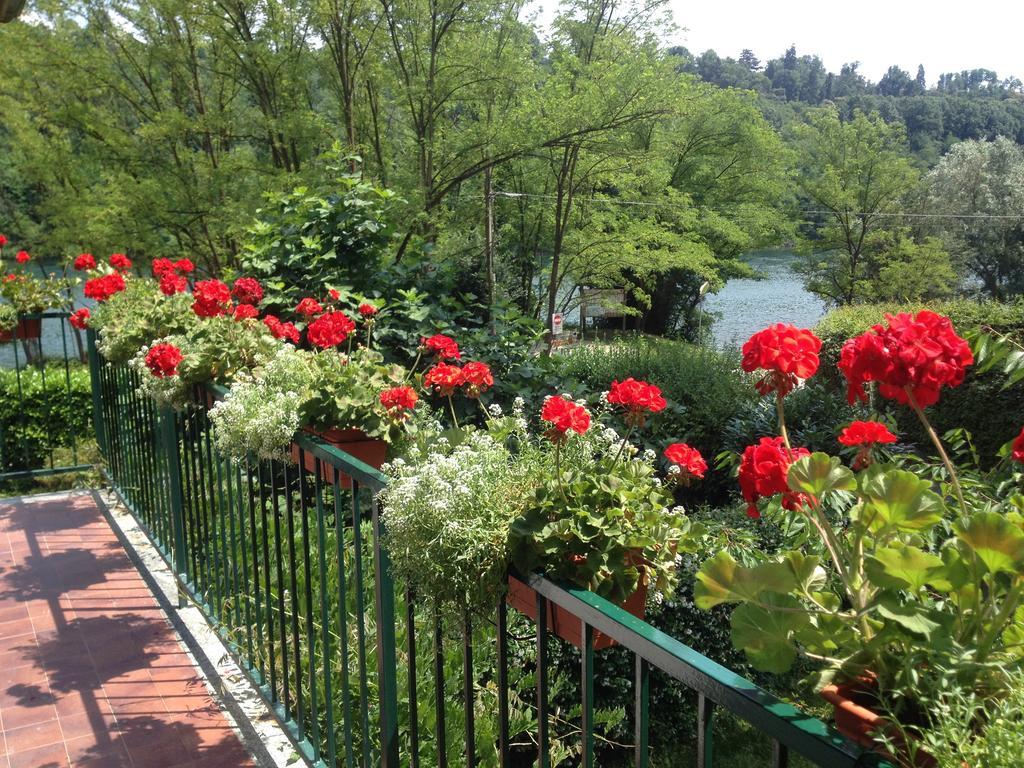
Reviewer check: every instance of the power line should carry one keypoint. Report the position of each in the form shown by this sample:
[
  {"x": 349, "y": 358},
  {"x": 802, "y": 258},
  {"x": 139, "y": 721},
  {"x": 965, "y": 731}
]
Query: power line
[{"x": 802, "y": 211}]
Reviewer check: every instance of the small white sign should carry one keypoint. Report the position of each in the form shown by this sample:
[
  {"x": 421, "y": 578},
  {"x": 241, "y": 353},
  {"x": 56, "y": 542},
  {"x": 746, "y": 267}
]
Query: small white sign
[{"x": 556, "y": 324}]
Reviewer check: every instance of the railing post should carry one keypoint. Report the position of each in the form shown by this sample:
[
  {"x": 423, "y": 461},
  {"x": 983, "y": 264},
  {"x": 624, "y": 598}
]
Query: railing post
[
  {"x": 176, "y": 496},
  {"x": 387, "y": 664},
  {"x": 97, "y": 394}
]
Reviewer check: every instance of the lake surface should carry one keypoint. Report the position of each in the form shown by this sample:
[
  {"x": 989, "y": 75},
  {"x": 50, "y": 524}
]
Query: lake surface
[{"x": 745, "y": 306}]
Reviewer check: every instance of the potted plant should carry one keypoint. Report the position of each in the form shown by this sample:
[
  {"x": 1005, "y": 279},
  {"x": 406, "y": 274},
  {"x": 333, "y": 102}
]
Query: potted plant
[
  {"x": 896, "y": 575},
  {"x": 29, "y": 295}
]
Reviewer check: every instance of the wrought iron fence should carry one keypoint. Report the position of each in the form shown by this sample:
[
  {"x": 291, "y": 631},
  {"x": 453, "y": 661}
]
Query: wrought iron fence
[
  {"x": 44, "y": 398},
  {"x": 287, "y": 564}
]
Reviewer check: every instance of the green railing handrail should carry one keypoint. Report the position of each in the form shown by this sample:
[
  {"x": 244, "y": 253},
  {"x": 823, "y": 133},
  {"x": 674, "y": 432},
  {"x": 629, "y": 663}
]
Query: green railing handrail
[{"x": 179, "y": 450}]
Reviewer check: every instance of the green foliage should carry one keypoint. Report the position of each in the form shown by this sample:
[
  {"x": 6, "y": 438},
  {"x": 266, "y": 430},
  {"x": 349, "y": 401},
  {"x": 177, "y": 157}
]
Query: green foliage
[
  {"x": 137, "y": 316},
  {"x": 40, "y": 414}
]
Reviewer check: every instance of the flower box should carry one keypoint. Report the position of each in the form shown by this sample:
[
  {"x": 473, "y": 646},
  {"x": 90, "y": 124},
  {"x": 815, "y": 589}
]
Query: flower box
[
  {"x": 563, "y": 623},
  {"x": 25, "y": 329},
  {"x": 354, "y": 442}
]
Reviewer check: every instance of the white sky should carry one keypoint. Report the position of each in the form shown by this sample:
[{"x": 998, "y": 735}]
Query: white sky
[{"x": 944, "y": 35}]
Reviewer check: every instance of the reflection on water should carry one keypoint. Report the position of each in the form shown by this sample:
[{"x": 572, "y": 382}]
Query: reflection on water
[{"x": 745, "y": 306}]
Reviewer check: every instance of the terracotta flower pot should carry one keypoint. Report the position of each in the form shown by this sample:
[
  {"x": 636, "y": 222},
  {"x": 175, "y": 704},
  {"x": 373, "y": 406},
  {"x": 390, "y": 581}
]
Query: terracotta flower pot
[
  {"x": 354, "y": 442},
  {"x": 563, "y": 623},
  {"x": 852, "y": 704},
  {"x": 25, "y": 329}
]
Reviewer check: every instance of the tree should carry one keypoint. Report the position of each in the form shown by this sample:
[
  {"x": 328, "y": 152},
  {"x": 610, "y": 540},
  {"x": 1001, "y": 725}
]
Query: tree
[
  {"x": 749, "y": 60},
  {"x": 979, "y": 186},
  {"x": 854, "y": 173}
]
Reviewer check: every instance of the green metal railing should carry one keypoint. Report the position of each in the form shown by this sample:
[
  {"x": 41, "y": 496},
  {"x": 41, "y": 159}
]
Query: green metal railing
[
  {"x": 44, "y": 398},
  {"x": 287, "y": 565}
]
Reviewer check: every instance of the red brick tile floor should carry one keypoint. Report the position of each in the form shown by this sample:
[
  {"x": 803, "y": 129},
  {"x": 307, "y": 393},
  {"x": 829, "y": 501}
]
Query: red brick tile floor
[{"x": 91, "y": 671}]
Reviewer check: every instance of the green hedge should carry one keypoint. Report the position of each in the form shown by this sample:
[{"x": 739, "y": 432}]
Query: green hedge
[
  {"x": 991, "y": 414},
  {"x": 41, "y": 418}
]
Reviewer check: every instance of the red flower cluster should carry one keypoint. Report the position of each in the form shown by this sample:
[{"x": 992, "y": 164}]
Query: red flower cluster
[
  {"x": 247, "y": 290},
  {"x": 3, "y": 241},
  {"x": 763, "y": 471},
  {"x": 564, "y": 415},
  {"x": 22, "y": 257},
  {"x": 309, "y": 306},
  {"x": 444, "y": 378},
  {"x": 280, "y": 330},
  {"x": 367, "y": 310},
  {"x": 102, "y": 288},
  {"x": 443, "y": 347},
  {"x": 162, "y": 360},
  {"x": 786, "y": 353},
  {"x": 398, "y": 401},
  {"x": 120, "y": 262},
  {"x": 638, "y": 398},
  {"x": 80, "y": 319},
  {"x": 1017, "y": 448},
  {"x": 84, "y": 262},
  {"x": 245, "y": 312},
  {"x": 911, "y": 355},
  {"x": 688, "y": 459},
  {"x": 172, "y": 275},
  {"x": 477, "y": 378},
  {"x": 172, "y": 283},
  {"x": 212, "y": 298},
  {"x": 866, "y": 433},
  {"x": 329, "y": 330}
]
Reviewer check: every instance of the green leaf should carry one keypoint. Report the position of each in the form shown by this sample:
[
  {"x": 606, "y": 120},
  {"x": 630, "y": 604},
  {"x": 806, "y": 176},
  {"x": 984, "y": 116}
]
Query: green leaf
[
  {"x": 913, "y": 618},
  {"x": 819, "y": 474},
  {"x": 902, "y": 567},
  {"x": 765, "y": 633},
  {"x": 995, "y": 540},
  {"x": 900, "y": 499},
  {"x": 806, "y": 569},
  {"x": 722, "y": 580}
]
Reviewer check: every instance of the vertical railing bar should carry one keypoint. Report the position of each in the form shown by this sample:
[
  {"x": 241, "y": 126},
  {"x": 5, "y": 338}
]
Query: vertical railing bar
[
  {"x": 243, "y": 597},
  {"x": 204, "y": 526},
  {"x": 410, "y": 641},
  {"x": 217, "y": 533},
  {"x": 587, "y": 694},
  {"x": 325, "y": 634},
  {"x": 439, "y": 707},
  {"x": 48, "y": 411},
  {"x": 175, "y": 490},
  {"x": 281, "y": 615},
  {"x": 96, "y": 378},
  {"x": 293, "y": 589},
  {"x": 67, "y": 385},
  {"x": 346, "y": 700},
  {"x": 310, "y": 634},
  {"x": 251, "y": 462},
  {"x": 192, "y": 480},
  {"x": 387, "y": 656},
  {"x": 705, "y": 731},
  {"x": 780, "y": 754},
  {"x": 543, "y": 749},
  {"x": 641, "y": 709},
  {"x": 502, "y": 662},
  {"x": 468, "y": 690},
  {"x": 268, "y": 593},
  {"x": 364, "y": 694},
  {"x": 21, "y": 402},
  {"x": 231, "y": 547}
]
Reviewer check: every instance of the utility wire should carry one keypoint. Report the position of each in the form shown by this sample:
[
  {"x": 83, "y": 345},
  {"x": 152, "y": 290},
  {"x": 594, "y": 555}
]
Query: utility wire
[{"x": 802, "y": 211}]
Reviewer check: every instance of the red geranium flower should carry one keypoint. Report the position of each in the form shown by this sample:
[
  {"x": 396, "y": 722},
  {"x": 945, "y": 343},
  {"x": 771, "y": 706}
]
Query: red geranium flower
[
  {"x": 638, "y": 398},
  {"x": 120, "y": 262},
  {"x": 564, "y": 415},
  {"x": 398, "y": 401},
  {"x": 162, "y": 360},
  {"x": 3, "y": 241},
  {"x": 477, "y": 378},
  {"x": 912, "y": 355},
  {"x": 367, "y": 310},
  {"x": 212, "y": 298},
  {"x": 309, "y": 306},
  {"x": 84, "y": 262},
  {"x": 329, "y": 330},
  {"x": 444, "y": 378},
  {"x": 80, "y": 319},
  {"x": 184, "y": 266},
  {"x": 786, "y": 353},
  {"x": 102, "y": 288},
  {"x": 172, "y": 283},
  {"x": 763, "y": 471},
  {"x": 247, "y": 290},
  {"x": 22, "y": 257},
  {"x": 280, "y": 330},
  {"x": 10, "y": 277},
  {"x": 162, "y": 267},
  {"x": 444, "y": 347},
  {"x": 866, "y": 433},
  {"x": 689, "y": 460},
  {"x": 246, "y": 312},
  {"x": 1017, "y": 448}
]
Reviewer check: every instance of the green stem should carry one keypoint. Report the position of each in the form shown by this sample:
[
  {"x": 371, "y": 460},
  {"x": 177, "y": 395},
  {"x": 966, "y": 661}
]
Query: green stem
[
  {"x": 954, "y": 479},
  {"x": 1009, "y": 606},
  {"x": 622, "y": 445},
  {"x": 558, "y": 471},
  {"x": 781, "y": 410},
  {"x": 411, "y": 371},
  {"x": 451, "y": 407}
]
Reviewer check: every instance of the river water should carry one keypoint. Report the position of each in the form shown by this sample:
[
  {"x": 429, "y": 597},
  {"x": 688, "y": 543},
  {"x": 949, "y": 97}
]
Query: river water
[{"x": 745, "y": 306}]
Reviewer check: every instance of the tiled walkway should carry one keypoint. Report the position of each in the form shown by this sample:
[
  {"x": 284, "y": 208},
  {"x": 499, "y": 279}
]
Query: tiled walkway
[{"x": 91, "y": 672}]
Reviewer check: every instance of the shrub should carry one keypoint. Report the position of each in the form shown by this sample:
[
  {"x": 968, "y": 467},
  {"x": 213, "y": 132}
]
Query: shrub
[
  {"x": 44, "y": 416},
  {"x": 980, "y": 405}
]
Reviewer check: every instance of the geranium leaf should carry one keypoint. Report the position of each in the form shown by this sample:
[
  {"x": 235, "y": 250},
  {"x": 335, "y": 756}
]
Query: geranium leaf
[
  {"x": 903, "y": 567},
  {"x": 722, "y": 580},
  {"x": 819, "y": 474},
  {"x": 764, "y": 633},
  {"x": 995, "y": 540},
  {"x": 900, "y": 499},
  {"x": 912, "y": 618}
]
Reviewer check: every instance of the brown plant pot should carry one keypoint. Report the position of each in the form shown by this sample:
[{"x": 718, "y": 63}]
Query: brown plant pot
[
  {"x": 25, "y": 329},
  {"x": 354, "y": 442},
  {"x": 563, "y": 623},
  {"x": 854, "y": 717}
]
